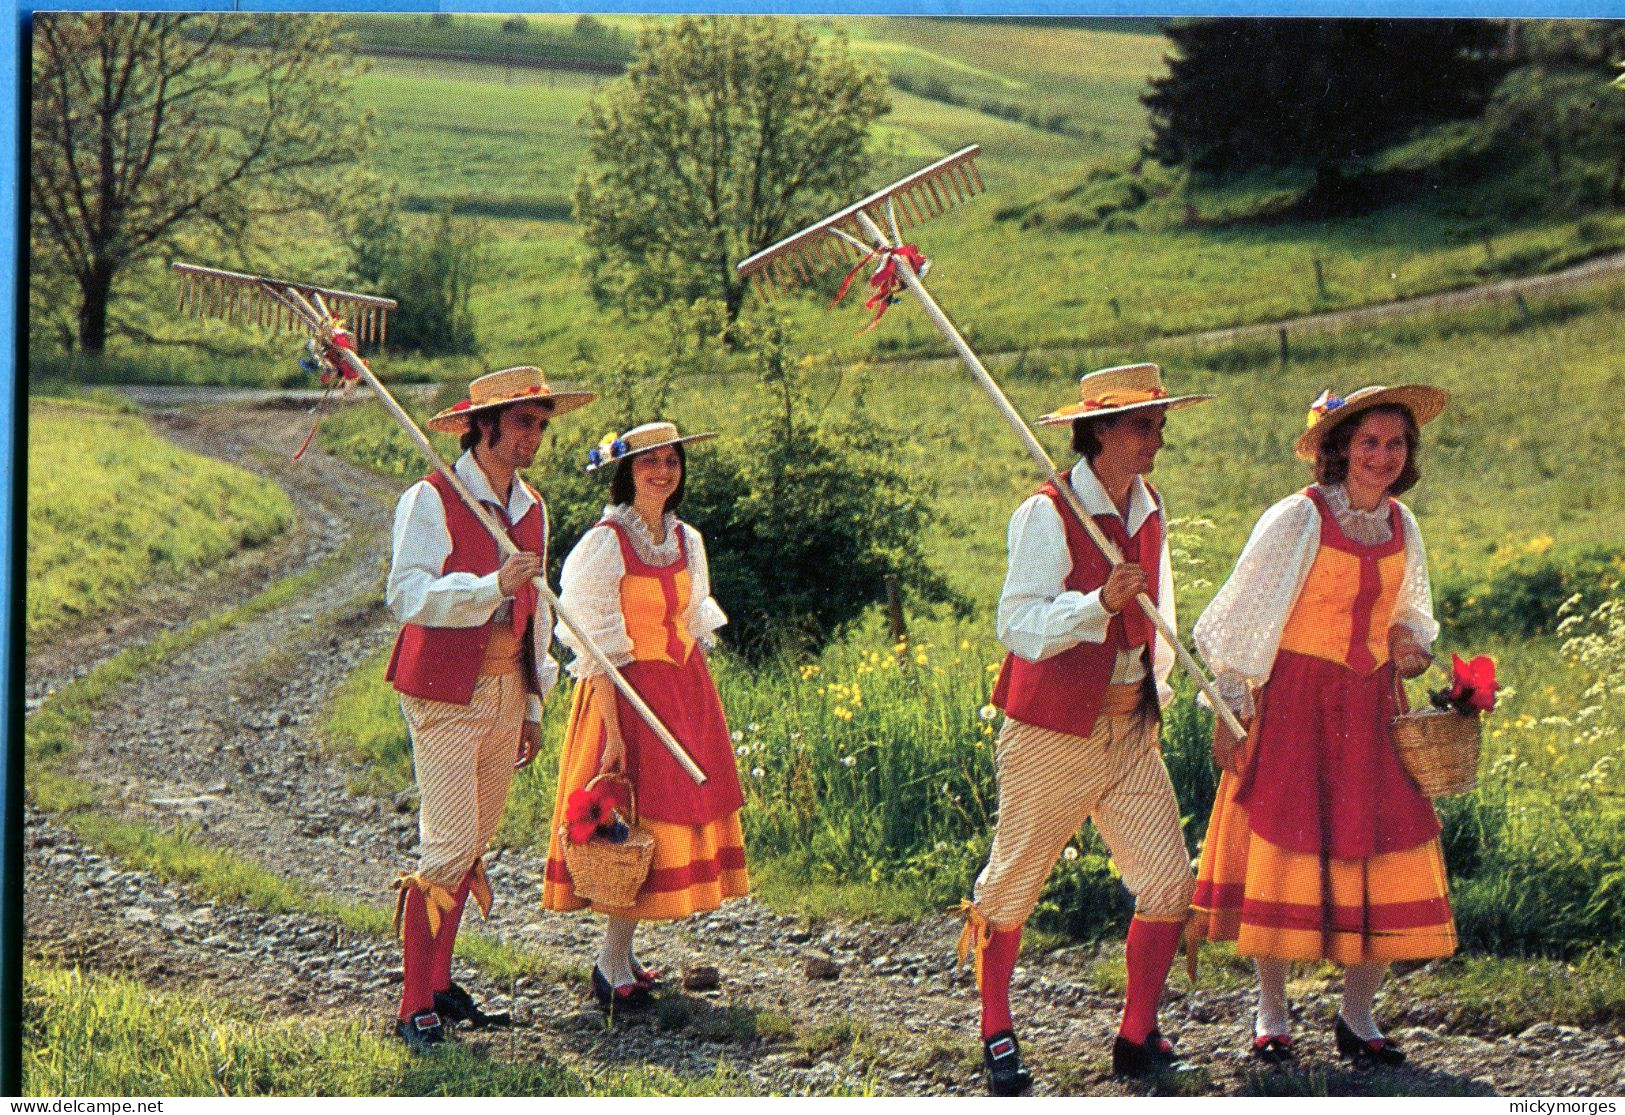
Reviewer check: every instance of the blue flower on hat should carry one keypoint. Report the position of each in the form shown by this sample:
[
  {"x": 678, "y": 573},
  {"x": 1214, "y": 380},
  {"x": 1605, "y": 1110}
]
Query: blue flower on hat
[{"x": 1323, "y": 405}]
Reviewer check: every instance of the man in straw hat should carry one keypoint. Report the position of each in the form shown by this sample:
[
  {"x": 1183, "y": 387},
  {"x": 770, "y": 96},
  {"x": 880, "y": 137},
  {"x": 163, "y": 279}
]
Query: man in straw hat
[
  {"x": 471, "y": 666},
  {"x": 1082, "y": 688}
]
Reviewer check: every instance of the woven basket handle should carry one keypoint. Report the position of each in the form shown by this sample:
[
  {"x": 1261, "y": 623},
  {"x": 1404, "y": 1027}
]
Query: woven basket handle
[
  {"x": 1399, "y": 693},
  {"x": 631, "y": 791}
]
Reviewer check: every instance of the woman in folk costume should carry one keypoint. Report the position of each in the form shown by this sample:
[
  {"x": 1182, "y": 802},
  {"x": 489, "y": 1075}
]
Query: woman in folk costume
[
  {"x": 638, "y": 585},
  {"x": 471, "y": 667},
  {"x": 1320, "y": 846},
  {"x": 1082, "y": 690}
]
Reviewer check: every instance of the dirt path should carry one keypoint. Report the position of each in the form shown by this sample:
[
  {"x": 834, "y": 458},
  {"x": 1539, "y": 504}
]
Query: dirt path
[{"x": 224, "y": 737}]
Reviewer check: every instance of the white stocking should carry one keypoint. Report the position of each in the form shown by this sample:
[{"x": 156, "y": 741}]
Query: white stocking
[
  {"x": 614, "y": 957},
  {"x": 1272, "y": 1019},
  {"x": 1360, "y": 983}
]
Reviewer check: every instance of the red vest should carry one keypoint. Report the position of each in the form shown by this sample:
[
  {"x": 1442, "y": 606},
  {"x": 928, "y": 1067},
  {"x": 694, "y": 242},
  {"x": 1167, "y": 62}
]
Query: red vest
[
  {"x": 443, "y": 663},
  {"x": 1064, "y": 692}
]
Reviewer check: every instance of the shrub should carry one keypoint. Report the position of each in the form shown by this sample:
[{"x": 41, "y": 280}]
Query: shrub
[
  {"x": 803, "y": 517},
  {"x": 431, "y": 274},
  {"x": 1522, "y": 597}
]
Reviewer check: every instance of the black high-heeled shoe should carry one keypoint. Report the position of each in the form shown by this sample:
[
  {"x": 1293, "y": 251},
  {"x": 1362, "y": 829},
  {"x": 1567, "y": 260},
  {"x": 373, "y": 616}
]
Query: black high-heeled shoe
[
  {"x": 1001, "y": 1058},
  {"x": 1274, "y": 1049},
  {"x": 1378, "y": 1051},
  {"x": 627, "y": 997}
]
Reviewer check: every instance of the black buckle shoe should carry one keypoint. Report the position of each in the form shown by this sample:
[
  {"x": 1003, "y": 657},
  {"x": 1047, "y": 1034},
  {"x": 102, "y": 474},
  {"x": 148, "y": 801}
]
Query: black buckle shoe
[
  {"x": 1001, "y": 1057},
  {"x": 1380, "y": 1051},
  {"x": 627, "y": 997},
  {"x": 422, "y": 1032},
  {"x": 1146, "y": 1058},
  {"x": 459, "y": 1006}
]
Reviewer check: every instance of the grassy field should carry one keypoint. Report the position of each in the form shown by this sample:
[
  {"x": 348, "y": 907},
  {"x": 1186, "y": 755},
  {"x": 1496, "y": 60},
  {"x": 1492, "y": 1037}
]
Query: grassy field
[
  {"x": 98, "y": 477},
  {"x": 502, "y": 144},
  {"x": 95, "y": 1035},
  {"x": 852, "y": 760}
]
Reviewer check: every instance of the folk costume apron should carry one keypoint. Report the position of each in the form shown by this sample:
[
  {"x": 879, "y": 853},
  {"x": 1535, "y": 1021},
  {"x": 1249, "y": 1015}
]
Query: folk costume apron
[
  {"x": 699, "y": 848},
  {"x": 1323, "y": 848}
]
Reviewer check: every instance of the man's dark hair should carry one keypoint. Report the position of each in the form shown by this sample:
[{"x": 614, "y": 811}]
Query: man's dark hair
[
  {"x": 621, "y": 489},
  {"x": 478, "y": 423},
  {"x": 1332, "y": 456}
]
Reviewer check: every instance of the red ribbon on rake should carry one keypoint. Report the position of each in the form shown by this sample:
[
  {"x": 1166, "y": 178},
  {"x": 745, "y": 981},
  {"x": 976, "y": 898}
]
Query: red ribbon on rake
[
  {"x": 885, "y": 281},
  {"x": 335, "y": 372}
]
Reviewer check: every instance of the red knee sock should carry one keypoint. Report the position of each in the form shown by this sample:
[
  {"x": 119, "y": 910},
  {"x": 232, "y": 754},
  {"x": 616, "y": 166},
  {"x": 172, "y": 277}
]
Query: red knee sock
[
  {"x": 417, "y": 949},
  {"x": 446, "y": 939},
  {"x": 998, "y": 962},
  {"x": 1149, "y": 954}
]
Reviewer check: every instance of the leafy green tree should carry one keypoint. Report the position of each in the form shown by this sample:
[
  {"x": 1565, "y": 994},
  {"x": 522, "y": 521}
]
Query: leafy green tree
[
  {"x": 1245, "y": 93},
  {"x": 431, "y": 272},
  {"x": 725, "y": 135},
  {"x": 803, "y": 515},
  {"x": 152, "y": 132}
]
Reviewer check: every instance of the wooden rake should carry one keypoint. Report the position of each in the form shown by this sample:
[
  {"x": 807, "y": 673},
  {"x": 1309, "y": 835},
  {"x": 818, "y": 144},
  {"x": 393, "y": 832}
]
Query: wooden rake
[
  {"x": 855, "y": 233},
  {"x": 228, "y": 295}
]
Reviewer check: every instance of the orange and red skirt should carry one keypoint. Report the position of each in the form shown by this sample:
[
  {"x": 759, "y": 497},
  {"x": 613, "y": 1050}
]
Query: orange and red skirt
[
  {"x": 699, "y": 856},
  {"x": 1324, "y": 849}
]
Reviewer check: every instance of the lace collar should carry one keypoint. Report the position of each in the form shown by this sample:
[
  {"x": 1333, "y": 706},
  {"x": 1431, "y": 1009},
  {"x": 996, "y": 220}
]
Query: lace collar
[
  {"x": 638, "y": 532},
  {"x": 1366, "y": 527}
]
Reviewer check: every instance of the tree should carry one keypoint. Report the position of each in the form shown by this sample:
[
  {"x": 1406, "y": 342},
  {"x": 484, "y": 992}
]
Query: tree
[
  {"x": 154, "y": 132},
  {"x": 1244, "y": 93},
  {"x": 725, "y": 135},
  {"x": 430, "y": 273}
]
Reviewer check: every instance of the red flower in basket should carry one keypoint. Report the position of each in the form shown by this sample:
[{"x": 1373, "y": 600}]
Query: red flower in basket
[
  {"x": 586, "y": 810},
  {"x": 1472, "y": 683}
]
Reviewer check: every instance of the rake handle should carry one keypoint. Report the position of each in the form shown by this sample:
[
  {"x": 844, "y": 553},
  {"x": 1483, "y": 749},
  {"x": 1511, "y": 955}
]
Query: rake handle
[
  {"x": 506, "y": 548},
  {"x": 1109, "y": 549}
]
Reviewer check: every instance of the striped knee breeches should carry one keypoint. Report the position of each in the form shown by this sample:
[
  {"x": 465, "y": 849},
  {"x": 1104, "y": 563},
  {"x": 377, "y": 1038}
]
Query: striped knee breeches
[
  {"x": 1051, "y": 782},
  {"x": 463, "y": 756}
]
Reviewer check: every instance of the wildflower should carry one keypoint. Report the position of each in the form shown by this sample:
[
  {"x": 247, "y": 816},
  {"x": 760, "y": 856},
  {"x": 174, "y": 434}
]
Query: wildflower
[
  {"x": 753, "y": 727},
  {"x": 987, "y": 712},
  {"x": 849, "y": 761},
  {"x": 736, "y": 735},
  {"x": 741, "y": 751},
  {"x": 758, "y": 772},
  {"x": 1070, "y": 854}
]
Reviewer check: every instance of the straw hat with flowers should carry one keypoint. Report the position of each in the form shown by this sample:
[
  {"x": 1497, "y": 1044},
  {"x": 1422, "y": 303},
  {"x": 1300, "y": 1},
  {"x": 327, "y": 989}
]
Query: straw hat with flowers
[
  {"x": 1115, "y": 390},
  {"x": 639, "y": 439},
  {"x": 1330, "y": 411},
  {"x": 511, "y": 385}
]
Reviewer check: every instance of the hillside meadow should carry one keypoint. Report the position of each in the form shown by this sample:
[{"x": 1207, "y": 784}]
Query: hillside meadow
[
  {"x": 869, "y": 768},
  {"x": 1052, "y": 106},
  {"x": 177, "y": 512}
]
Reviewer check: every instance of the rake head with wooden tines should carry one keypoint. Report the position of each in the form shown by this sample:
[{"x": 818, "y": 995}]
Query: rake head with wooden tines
[
  {"x": 840, "y": 239},
  {"x": 208, "y": 292}
]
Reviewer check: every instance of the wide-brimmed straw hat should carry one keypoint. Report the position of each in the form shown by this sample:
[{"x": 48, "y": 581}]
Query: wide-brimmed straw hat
[
  {"x": 1115, "y": 390},
  {"x": 510, "y": 385},
  {"x": 1330, "y": 411},
  {"x": 639, "y": 439}
]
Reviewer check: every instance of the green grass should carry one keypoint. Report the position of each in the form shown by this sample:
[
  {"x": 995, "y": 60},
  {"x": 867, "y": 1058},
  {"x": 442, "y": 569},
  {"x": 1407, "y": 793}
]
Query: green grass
[
  {"x": 101, "y": 1035},
  {"x": 101, "y": 483},
  {"x": 1506, "y": 995},
  {"x": 503, "y": 144}
]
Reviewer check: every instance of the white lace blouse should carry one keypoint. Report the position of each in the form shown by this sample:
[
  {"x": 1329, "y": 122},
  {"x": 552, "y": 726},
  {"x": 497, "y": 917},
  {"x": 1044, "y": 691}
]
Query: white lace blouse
[
  {"x": 1240, "y": 631},
  {"x": 590, "y": 587}
]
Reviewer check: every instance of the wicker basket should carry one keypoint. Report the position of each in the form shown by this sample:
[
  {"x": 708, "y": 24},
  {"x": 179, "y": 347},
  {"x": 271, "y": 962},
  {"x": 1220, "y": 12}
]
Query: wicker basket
[
  {"x": 606, "y": 873},
  {"x": 1438, "y": 747}
]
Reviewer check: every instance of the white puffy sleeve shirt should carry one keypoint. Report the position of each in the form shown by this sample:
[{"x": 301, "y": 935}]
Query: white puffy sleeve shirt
[
  {"x": 1240, "y": 631},
  {"x": 590, "y": 591},
  {"x": 1039, "y": 617},
  {"x": 417, "y": 592}
]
